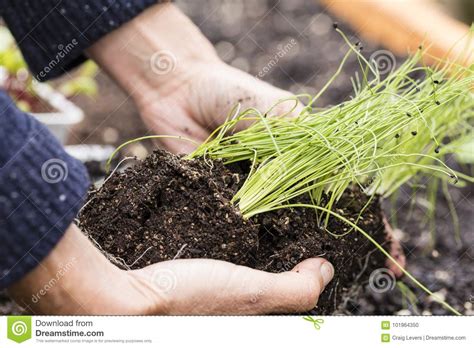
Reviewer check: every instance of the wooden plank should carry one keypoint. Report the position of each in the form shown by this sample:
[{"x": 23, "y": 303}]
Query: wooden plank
[{"x": 402, "y": 25}]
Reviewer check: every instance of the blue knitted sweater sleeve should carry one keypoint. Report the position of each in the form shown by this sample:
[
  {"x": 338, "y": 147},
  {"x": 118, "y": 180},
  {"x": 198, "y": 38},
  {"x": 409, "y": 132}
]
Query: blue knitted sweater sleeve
[
  {"x": 41, "y": 187},
  {"x": 41, "y": 191},
  {"x": 53, "y": 34}
]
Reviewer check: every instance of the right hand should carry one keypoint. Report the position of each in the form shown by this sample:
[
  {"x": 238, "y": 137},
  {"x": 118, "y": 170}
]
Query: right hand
[
  {"x": 179, "y": 84},
  {"x": 92, "y": 285}
]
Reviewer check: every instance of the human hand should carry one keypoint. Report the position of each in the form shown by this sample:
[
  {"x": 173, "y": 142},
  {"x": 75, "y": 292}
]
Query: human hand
[
  {"x": 202, "y": 102},
  {"x": 75, "y": 278},
  {"x": 180, "y": 85},
  {"x": 178, "y": 82}
]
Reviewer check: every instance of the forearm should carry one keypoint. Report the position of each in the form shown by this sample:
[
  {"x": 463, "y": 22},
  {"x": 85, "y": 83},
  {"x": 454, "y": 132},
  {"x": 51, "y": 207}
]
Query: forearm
[
  {"x": 58, "y": 277},
  {"x": 68, "y": 280},
  {"x": 41, "y": 190}
]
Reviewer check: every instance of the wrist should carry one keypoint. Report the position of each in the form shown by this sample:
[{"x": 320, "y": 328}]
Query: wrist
[
  {"x": 153, "y": 53},
  {"x": 67, "y": 280}
]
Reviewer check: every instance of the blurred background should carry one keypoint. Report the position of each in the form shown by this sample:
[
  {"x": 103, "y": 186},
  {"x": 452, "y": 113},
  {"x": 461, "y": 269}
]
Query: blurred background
[{"x": 292, "y": 45}]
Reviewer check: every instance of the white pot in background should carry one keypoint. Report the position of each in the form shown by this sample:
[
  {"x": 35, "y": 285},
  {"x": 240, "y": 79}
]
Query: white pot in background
[{"x": 61, "y": 121}]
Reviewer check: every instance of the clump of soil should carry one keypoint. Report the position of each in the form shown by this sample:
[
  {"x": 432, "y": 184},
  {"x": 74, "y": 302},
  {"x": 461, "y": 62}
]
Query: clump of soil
[{"x": 166, "y": 207}]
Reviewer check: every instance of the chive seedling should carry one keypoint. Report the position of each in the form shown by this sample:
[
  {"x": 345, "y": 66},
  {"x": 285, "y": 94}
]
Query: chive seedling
[
  {"x": 329, "y": 149},
  {"x": 324, "y": 151}
]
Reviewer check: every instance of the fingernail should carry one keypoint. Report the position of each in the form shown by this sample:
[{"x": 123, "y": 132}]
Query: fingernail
[{"x": 327, "y": 272}]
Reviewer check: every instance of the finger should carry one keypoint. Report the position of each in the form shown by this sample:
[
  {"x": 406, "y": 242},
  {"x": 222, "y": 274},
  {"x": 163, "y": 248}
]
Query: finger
[
  {"x": 165, "y": 119},
  {"x": 202, "y": 286},
  {"x": 270, "y": 101},
  {"x": 240, "y": 88}
]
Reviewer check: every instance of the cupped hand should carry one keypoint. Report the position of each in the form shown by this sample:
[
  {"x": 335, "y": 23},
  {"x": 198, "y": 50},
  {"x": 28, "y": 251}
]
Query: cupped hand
[
  {"x": 75, "y": 278},
  {"x": 205, "y": 287}
]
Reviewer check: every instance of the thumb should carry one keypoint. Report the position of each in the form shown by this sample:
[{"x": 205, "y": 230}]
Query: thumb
[
  {"x": 203, "y": 286},
  {"x": 300, "y": 288}
]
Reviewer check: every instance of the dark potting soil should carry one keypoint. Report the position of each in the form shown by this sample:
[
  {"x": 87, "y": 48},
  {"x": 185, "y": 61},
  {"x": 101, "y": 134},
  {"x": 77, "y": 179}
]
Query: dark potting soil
[{"x": 167, "y": 207}]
